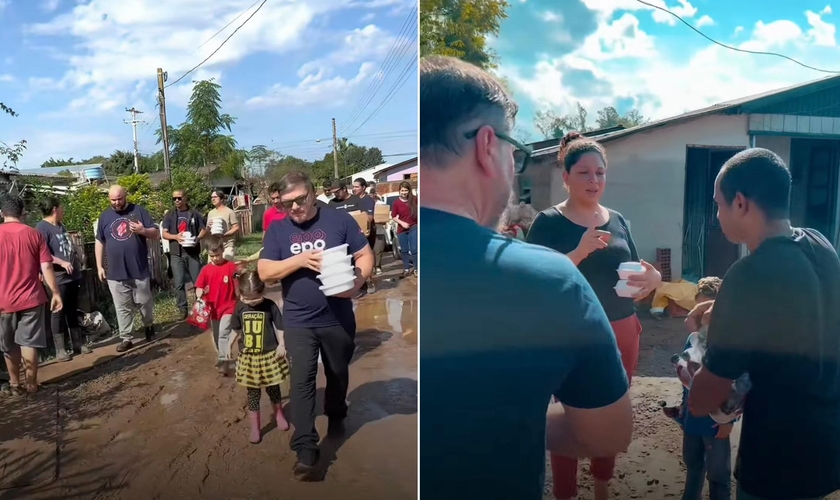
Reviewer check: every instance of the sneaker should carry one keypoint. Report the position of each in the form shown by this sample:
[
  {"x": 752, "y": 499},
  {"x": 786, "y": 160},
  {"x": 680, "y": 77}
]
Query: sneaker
[
  {"x": 124, "y": 346},
  {"x": 377, "y": 271},
  {"x": 371, "y": 288},
  {"x": 416, "y": 273},
  {"x": 150, "y": 333},
  {"x": 303, "y": 472},
  {"x": 406, "y": 273}
]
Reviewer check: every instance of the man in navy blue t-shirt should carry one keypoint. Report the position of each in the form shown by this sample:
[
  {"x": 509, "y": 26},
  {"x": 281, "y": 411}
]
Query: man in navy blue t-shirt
[
  {"x": 121, "y": 235},
  {"x": 506, "y": 325},
  {"x": 313, "y": 322}
]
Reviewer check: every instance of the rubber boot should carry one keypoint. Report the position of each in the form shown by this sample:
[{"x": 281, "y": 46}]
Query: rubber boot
[
  {"x": 78, "y": 340},
  {"x": 256, "y": 428},
  {"x": 60, "y": 348},
  {"x": 282, "y": 423}
]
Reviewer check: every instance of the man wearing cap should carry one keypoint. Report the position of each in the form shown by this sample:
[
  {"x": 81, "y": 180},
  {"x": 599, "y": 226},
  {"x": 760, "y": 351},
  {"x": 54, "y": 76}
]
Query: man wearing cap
[{"x": 342, "y": 199}]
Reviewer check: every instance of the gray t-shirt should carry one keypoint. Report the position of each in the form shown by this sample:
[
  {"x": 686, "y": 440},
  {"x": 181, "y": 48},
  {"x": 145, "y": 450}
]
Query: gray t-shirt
[{"x": 58, "y": 241}]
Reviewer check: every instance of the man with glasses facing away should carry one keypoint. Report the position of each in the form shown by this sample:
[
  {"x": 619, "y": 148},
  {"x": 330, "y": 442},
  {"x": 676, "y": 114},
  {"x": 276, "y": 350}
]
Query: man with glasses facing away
[
  {"x": 488, "y": 375},
  {"x": 313, "y": 322}
]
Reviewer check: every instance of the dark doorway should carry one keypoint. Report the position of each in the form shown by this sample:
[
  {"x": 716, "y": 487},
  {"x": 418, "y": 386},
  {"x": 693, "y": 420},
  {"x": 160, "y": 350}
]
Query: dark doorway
[
  {"x": 813, "y": 165},
  {"x": 706, "y": 251}
]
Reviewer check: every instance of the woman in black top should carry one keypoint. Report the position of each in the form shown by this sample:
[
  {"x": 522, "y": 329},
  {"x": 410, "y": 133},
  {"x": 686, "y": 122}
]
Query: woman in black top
[{"x": 597, "y": 240}]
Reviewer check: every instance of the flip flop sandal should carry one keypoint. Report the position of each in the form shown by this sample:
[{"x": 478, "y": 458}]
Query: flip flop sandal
[{"x": 12, "y": 390}]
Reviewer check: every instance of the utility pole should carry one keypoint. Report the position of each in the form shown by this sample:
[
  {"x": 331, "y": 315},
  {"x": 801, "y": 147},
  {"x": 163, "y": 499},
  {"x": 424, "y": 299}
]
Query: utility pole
[
  {"x": 335, "y": 151},
  {"x": 133, "y": 122},
  {"x": 164, "y": 131}
]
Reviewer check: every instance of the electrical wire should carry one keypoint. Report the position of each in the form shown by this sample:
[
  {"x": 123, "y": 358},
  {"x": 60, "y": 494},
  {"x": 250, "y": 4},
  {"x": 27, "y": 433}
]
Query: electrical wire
[
  {"x": 401, "y": 45},
  {"x": 377, "y": 135},
  {"x": 228, "y": 24},
  {"x": 736, "y": 49},
  {"x": 219, "y": 47},
  {"x": 401, "y": 79}
]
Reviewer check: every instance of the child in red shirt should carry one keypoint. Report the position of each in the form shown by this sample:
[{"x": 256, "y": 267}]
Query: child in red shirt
[{"x": 216, "y": 287}]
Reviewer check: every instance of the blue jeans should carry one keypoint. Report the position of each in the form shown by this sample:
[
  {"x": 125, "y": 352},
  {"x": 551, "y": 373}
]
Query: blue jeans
[
  {"x": 707, "y": 458},
  {"x": 408, "y": 247},
  {"x": 740, "y": 495}
]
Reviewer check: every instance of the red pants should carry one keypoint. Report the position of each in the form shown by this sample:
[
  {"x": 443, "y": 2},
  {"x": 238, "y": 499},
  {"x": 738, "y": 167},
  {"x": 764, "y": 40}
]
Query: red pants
[{"x": 564, "y": 469}]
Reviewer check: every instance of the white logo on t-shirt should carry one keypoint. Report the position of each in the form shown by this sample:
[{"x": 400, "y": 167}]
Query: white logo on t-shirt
[{"x": 305, "y": 242}]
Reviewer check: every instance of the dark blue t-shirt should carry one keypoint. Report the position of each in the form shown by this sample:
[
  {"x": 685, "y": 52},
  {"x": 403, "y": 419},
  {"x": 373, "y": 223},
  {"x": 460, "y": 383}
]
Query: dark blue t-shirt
[
  {"x": 126, "y": 253},
  {"x": 506, "y": 325},
  {"x": 304, "y": 305}
]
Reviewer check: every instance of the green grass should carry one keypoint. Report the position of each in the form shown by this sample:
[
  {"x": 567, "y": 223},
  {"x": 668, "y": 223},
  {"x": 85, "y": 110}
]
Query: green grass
[{"x": 249, "y": 245}]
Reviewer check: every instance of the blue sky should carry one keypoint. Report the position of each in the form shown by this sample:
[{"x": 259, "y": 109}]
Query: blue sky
[
  {"x": 71, "y": 67},
  {"x": 622, "y": 53}
]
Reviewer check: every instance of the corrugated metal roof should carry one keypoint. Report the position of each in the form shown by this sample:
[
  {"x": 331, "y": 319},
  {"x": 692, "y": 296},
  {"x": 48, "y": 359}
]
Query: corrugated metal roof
[
  {"x": 57, "y": 170},
  {"x": 722, "y": 107}
]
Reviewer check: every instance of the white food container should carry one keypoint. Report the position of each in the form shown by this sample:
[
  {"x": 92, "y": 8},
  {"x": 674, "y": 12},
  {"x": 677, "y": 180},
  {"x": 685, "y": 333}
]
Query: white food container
[
  {"x": 627, "y": 269},
  {"x": 334, "y": 259},
  {"x": 337, "y": 278},
  {"x": 340, "y": 288},
  {"x": 622, "y": 289},
  {"x": 341, "y": 249}
]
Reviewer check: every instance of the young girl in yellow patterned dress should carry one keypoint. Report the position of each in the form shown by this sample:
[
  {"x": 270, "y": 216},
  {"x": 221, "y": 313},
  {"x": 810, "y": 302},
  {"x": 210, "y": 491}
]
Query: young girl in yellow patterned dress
[{"x": 257, "y": 326}]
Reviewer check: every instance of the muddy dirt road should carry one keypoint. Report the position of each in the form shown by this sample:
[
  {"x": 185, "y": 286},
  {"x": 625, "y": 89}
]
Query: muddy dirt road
[{"x": 161, "y": 424}]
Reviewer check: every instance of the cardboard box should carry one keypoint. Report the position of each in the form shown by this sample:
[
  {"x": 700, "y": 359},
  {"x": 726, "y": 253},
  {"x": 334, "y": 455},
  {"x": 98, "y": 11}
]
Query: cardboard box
[
  {"x": 381, "y": 214},
  {"x": 361, "y": 219}
]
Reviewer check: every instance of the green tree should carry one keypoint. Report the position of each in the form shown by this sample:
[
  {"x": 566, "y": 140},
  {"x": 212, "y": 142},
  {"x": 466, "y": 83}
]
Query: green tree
[
  {"x": 609, "y": 117},
  {"x": 119, "y": 163},
  {"x": 11, "y": 153},
  {"x": 554, "y": 126},
  {"x": 200, "y": 140},
  {"x": 459, "y": 28}
]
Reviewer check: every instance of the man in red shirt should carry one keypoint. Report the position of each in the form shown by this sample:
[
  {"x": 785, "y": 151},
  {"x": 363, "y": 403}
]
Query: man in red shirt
[
  {"x": 23, "y": 257},
  {"x": 275, "y": 212}
]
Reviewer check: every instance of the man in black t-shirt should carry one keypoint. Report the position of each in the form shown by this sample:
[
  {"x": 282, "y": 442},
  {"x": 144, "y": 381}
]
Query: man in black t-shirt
[
  {"x": 776, "y": 318},
  {"x": 343, "y": 200}
]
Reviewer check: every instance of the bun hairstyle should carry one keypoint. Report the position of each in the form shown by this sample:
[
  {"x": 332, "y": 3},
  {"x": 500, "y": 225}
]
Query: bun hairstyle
[{"x": 574, "y": 145}]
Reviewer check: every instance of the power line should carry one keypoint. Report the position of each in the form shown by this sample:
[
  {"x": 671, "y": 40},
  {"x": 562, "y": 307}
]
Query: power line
[
  {"x": 219, "y": 47},
  {"x": 377, "y": 135},
  {"x": 228, "y": 24},
  {"x": 736, "y": 49},
  {"x": 385, "y": 68},
  {"x": 401, "y": 79}
]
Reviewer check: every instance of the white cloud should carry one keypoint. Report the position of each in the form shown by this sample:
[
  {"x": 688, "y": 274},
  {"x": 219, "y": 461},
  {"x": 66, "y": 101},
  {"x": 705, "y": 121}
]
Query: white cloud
[
  {"x": 821, "y": 32},
  {"x": 738, "y": 30},
  {"x": 122, "y": 43},
  {"x": 826, "y": 10},
  {"x": 6, "y": 78},
  {"x": 43, "y": 144},
  {"x": 319, "y": 82},
  {"x": 705, "y": 21},
  {"x": 4, "y": 4},
  {"x": 50, "y": 5},
  {"x": 660, "y": 86},
  {"x": 314, "y": 89},
  {"x": 685, "y": 10},
  {"x": 551, "y": 16}
]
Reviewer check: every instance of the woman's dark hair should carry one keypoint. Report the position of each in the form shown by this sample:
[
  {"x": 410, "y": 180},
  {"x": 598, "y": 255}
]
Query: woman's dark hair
[
  {"x": 412, "y": 200},
  {"x": 362, "y": 182},
  {"x": 574, "y": 145},
  {"x": 48, "y": 205},
  {"x": 221, "y": 194},
  {"x": 250, "y": 283}
]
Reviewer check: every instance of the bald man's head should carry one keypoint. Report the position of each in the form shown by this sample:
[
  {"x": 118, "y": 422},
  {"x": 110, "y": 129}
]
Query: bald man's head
[{"x": 117, "y": 196}]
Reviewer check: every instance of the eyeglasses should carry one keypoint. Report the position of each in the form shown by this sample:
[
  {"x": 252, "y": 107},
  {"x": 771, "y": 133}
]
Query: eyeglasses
[
  {"x": 299, "y": 201},
  {"x": 522, "y": 164},
  {"x": 177, "y": 198}
]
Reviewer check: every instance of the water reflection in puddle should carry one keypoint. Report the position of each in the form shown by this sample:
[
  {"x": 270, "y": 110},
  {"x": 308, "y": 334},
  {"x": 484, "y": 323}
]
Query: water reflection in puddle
[{"x": 398, "y": 316}]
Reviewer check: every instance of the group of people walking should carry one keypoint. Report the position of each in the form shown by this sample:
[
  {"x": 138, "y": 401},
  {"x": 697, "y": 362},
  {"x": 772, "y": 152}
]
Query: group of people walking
[
  {"x": 563, "y": 334},
  {"x": 267, "y": 344}
]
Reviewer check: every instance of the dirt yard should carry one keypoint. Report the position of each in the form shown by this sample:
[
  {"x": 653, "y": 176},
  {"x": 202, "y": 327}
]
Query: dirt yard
[
  {"x": 159, "y": 423},
  {"x": 652, "y": 469}
]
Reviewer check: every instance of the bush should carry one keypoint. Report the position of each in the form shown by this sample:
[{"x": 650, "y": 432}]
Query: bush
[{"x": 83, "y": 206}]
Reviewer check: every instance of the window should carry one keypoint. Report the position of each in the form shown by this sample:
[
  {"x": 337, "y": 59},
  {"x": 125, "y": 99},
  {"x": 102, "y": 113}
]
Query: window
[{"x": 406, "y": 177}]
